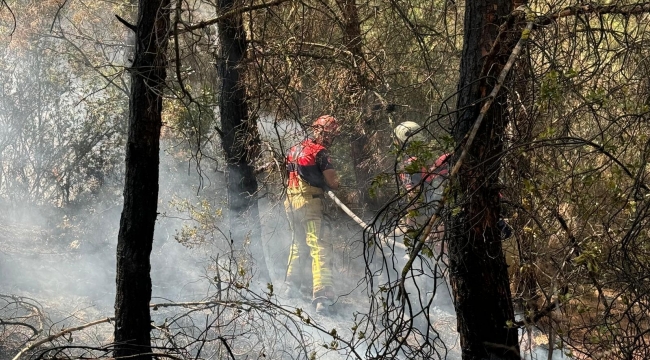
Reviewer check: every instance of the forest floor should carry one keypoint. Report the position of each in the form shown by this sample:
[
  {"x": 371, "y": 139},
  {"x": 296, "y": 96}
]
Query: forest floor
[
  {"x": 66, "y": 269},
  {"x": 69, "y": 276}
]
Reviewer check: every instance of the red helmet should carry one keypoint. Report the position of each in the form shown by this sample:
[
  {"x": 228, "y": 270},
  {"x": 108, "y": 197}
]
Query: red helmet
[{"x": 327, "y": 123}]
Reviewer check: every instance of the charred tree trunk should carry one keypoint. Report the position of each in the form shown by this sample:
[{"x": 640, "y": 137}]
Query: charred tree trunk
[
  {"x": 239, "y": 139},
  {"x": 477, "y": 263},
  {"x": 135, "y": 239}
]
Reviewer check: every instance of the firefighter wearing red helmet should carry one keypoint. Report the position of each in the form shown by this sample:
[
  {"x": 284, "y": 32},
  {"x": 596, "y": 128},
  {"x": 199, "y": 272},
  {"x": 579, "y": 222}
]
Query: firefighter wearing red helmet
[{"x": 311, "y": 173}]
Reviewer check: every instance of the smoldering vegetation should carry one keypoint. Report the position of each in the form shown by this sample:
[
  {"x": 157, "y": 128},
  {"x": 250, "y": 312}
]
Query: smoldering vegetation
[
  {"x": 58, "y": 275},
  {"x": 63, "y": 114},
  {"x": 203, "y": 302},
  {"x": 63, "y": 276},
  {"x": 570, "y": 169}
]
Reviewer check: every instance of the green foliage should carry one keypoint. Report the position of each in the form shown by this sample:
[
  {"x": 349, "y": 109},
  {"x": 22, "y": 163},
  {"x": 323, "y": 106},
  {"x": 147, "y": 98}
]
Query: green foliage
[
  {"x": 193, "y": 122},
  {"x": 379, "y": 182},
  {"x": 550, "y": 89},
  {"x": 203, "y": 218},
  {"x": 597, "y": 96}
]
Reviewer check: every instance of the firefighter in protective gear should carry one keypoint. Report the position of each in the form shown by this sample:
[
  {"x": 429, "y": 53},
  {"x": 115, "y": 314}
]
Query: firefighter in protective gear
[
  {"x": 424, "y": 190},
  {"x": 404, "y": 135},
  {"x": 406, "y": 131},
  {"x": 310, "y": 174}
]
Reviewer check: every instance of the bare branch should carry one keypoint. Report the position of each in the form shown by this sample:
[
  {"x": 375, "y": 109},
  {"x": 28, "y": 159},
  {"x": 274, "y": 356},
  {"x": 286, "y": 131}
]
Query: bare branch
[
  {"x": 197, "y": 303},
  {"x": 225, "y": 343},
  {"x": 126, "y": 23},
  {"x": 57, "y": 14},
  {"x": 13, "y": 16},
  {"x": 529, "y": 320},
  {"x": 230, "y": 13},
  {"x": 34, "y": 330},
  {"x": 59, "y": 334},
  {"x": 594, "y": 9},
  {"x": 578, "y": 251}
]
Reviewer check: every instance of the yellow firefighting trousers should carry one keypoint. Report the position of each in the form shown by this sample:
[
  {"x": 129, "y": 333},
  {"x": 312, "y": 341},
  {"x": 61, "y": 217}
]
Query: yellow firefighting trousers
[{"x": 305, "y": 211}]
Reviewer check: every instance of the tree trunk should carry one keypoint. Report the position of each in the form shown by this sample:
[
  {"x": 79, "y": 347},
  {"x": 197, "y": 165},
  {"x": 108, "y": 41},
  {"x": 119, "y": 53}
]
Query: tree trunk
[
  {"x": 239, "y": 139},
  {"x": 135, "y": 239},
  {"x": 356, "y": 88},
  {"x": 478, "y": 267}
]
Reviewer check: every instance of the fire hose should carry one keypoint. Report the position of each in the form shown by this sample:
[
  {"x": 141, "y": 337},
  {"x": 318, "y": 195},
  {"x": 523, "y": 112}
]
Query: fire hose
[{"x": 382, "y": 239}]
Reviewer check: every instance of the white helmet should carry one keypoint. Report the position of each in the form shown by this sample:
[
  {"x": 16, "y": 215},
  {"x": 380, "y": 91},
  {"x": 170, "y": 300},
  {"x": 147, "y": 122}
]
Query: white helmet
[{"x": 408, "y": 130}]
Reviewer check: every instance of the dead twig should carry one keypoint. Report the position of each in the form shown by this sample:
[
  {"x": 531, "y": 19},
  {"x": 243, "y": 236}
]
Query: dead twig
[
  {"x": 59, "y": 334},
  {"x": 230, "y": 13}
]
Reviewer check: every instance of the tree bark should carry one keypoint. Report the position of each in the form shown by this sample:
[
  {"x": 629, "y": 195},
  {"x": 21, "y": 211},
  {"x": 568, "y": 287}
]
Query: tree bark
[
  {"x": 477, "y": 263},
  {"x": 356, "y": 88},
  {"x": 239, "y": 139},
  {"x": 135, "y": 238}
]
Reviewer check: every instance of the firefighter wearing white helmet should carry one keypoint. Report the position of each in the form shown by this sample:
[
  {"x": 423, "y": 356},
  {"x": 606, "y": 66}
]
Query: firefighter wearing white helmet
[
  {"x": 416, "y": 180},
  {"x": 403, "y": 134},
  {"x": 407, "y": 131}
]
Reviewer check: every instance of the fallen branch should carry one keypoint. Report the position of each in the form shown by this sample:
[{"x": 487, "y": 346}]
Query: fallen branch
[{"x": 109, "y": 319}]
